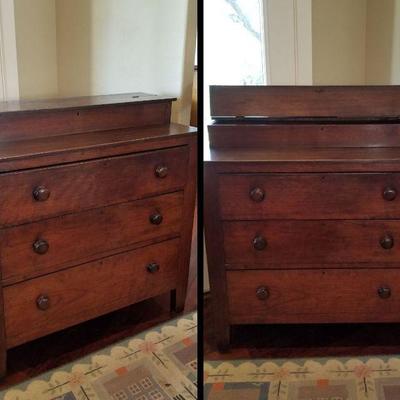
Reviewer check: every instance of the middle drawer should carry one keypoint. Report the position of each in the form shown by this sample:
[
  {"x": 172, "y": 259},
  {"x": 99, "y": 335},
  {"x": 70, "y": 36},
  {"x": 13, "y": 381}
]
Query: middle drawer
[
  {"x": 41, "y": 247},
  {"x": 309, "y": 196},
  {"x": 316, "y": 242}
]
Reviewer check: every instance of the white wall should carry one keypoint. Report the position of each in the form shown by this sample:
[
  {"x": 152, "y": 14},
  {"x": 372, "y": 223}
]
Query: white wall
[
  {"x": 356, "y": 42},
  {"x": 89, "y": 47},
  {"x": 35, "y": 30},
  {"x": 383, "y": 42},
  {"x": 395, "y": 62},
  {"x": 339, "y": 42}
]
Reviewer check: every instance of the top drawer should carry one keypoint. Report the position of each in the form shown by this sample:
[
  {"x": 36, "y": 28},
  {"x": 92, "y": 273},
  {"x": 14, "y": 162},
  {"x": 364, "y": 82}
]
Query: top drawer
[
  {"x": 309, "y": 196},
  {"x": 35, "y": 194}
]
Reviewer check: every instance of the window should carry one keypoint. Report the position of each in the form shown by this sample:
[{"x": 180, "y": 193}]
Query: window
[{"x": 233, "y": 43}]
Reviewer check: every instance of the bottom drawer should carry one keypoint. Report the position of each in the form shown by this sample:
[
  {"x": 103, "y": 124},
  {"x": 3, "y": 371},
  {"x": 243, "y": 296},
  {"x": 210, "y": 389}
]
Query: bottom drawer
[
  {"x": 43, "y": 305},
  {"x": 314, "y": 296}
]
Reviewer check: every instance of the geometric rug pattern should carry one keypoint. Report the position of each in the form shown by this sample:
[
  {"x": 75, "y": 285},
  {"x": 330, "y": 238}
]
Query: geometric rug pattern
[
  {"x": 375, "y": 378},
  {"x": 158, "y": 364}
]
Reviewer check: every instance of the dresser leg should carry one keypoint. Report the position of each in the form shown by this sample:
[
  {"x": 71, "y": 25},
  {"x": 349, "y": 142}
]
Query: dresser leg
[
  {"x": 224, "y": 340},
  {"x": 3, "y": 347},
  {"x": 177, "y": 302},
  {"x": 3, "y": 363},
  {"x": 173, "y": 300}
]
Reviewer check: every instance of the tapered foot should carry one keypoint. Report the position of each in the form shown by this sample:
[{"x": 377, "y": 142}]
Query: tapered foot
[
  {"x": 224, "y": 340},
  {"x": 3, "y": 363},
  {"x": 177, "y": 303}
]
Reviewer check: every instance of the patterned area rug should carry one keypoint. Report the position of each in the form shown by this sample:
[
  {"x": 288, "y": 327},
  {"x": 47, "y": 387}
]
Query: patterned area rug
[
  {"x": 375, "y": 378},
  {"x": 159, "y": 364}
]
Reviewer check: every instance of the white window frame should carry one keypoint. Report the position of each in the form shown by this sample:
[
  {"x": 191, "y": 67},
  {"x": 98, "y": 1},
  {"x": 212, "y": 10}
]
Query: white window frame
[
  {"x": 9, "y": 83},
  {"x": 288, "y": 41}
]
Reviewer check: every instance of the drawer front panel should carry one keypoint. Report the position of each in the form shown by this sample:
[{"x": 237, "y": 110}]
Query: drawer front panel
[
  {"x": 309, "y": 196},
  {"x": 36, "y": 194},
  {"x": 314, "y": 296},
  {"x": 77, "y": 294},
  {"x": 87, "y": 234},
  {"x": 318, "y": 242}
]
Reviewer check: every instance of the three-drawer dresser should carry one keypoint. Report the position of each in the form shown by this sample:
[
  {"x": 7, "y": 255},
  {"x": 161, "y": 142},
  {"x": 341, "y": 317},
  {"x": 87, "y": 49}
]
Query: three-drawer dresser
[
  {"x": 96, "y": 208},
  {"x": 302, "y": 205}
]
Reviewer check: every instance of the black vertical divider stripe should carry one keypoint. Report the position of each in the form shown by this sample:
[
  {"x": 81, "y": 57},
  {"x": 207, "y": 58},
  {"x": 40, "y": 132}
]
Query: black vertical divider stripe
[{"x": 201, "y": 133}]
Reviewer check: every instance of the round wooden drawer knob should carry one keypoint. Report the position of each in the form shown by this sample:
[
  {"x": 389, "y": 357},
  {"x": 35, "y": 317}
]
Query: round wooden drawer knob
[
  {"x": 43, "y": 302},
  {"x": 384, "y": 292},
  {"x": 152, "y": 267},
  {"x": 156, "y": 219},
  {"x": 389, "y": 193},
  {"x": 262, "y": 293},
  {"x": 257, "y": 194},
  {"x": 161, "y": 171},
  {"x": 259, "y": 243},
  {"x": 40, "y": 246},
  {"x": 41, "y": 193},
  {"x": 387, "y": 242}
]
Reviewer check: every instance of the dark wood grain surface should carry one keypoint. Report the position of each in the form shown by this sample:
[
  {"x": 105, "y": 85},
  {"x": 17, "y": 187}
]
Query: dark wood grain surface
[
  {"x": 310, "y": 196},
  {"x": 313, "y": 296},
  {"x": 300, "y": 340},
  {"x": 90, "y": 184},
  {"x": 45, "y": 123},
  {"x": 115, "y": 282},
  {"x": 74, "y": 215},
  {"x": 44, "y": 118},
  {"x": 313, "y": 156},
  {"x": 109, "y": 228},
  {"x": 82, "y": 101},
  {"x": 52, "y": 351},
  {"x": 38, "y": 152},
  {"x": 298, "y": 237},
  {"x": 189, "y": 201},
  {"x": 305, "y": 101},
  {"x": 313, "y": 242},
  {"x": 242, "y": 135},
  {"x": 214, "y": 241}
]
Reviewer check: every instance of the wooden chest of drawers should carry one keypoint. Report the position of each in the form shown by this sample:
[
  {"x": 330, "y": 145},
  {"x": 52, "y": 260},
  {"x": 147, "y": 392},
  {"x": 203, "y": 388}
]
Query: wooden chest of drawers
[
  {"x": 96, "y": 213},
  {"x": 302, "y": 205}
]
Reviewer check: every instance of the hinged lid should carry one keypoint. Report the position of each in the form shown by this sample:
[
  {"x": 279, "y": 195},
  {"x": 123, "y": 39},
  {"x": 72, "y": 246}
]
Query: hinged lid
[{"x": 305, "y": 103}]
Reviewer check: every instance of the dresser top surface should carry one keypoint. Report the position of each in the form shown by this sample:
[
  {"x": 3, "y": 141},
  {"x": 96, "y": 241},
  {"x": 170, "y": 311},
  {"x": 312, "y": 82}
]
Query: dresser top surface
[
  {"x": 349, "y": 154},
  {"x": 29, "y": 153},
  {"x": 80, "y": 102}
]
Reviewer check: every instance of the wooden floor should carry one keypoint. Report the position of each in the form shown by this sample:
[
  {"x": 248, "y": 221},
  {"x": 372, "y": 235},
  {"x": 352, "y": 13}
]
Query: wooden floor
[
  {"x": 33, "y": 358},
  {"x": 295, "y": 341}
]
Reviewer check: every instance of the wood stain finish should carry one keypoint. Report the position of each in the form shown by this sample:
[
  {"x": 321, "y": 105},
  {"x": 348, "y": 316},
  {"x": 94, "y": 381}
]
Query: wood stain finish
[
  {"x": 97, "y": 198},
  {"x": 302, "y": 205}
]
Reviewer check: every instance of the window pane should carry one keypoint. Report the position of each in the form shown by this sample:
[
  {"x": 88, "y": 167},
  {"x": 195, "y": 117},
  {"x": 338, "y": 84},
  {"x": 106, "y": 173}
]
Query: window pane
[{"x": 233, "y": 44}]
